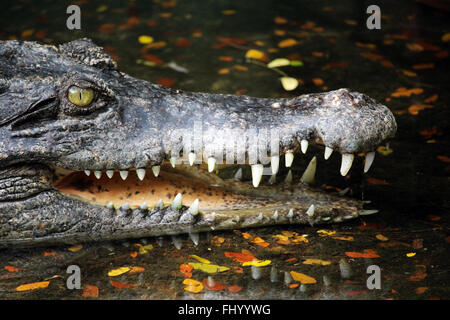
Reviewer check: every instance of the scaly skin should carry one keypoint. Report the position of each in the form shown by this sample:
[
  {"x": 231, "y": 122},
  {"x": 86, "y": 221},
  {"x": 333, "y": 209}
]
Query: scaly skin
[{"x": 135, "y": 124}]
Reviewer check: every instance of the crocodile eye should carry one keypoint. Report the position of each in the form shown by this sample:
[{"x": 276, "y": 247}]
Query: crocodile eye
[{"x": 81, "y": 97}]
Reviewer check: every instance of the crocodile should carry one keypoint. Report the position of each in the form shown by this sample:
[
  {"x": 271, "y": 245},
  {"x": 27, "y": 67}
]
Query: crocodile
[{"x": 89, "y": 153}]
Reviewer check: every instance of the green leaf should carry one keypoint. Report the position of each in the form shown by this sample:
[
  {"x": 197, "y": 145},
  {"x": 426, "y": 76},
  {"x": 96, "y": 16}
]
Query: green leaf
[{"x": 296, "y": 63}]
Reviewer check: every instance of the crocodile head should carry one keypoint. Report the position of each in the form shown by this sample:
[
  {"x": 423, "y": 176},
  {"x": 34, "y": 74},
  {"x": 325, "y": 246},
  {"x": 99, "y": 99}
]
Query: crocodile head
[{"x": 90, "y": 153}]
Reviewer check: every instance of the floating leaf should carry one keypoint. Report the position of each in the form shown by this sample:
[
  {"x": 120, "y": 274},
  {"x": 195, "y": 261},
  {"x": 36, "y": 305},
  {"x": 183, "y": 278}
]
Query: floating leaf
[
  {"x": 246, "y": 235},
  {"x": 33, "y": 286},
  {"x": 234, "y": 288},
  {"x": 348, "y": 238},
  {"x": 118, "y": 271},
  {"x": 416, "y": 108},
  {"x": 444, "y": 159},
  {"x": 166, "y": 82},
  {"x": 193, "y": 286},
  {"x": 240, "y": 257},
  {"x": 296, "y": 63},
  {"x": 102, "y": 8},
  {"x": 376, "y": 181},
  {"x": 446, "y": 37},
  {"x": 208, "y": 268},
  {"x": 403, "y": 92},
  {"x": 280, "y": 20},
  {"x": 423, "y": 66},
  {"x": 136, "y": 270},
  {"x": 12, "y": 269},
  {"x": 228, "y": 12},
  {"x": 133, "y": 254},
  {"x": 303, "y": 278},
  {"x": 279, "y": 62},
  {"x": 289, "y": 83},
  {"x": 90, "y": 291},
  {"x": 200, "y": 259},
  {"x": 421, "y": 290},
  {"x": 183, "y": 43},
  {"x": 317, "y": 261},
  {"x": 381, "y": 237},
  {"x": 49, "y": 253},
  {"x": 254, "y": 54},
  {"x": 410, "y": 254},
  {"x": 257, "y": 263},
  {"x": 287, "y": 43},
  {"x": 144, "y": 249},
  {"x": 120, "y": 285},
  {"x": 212, "y": 285},
  {"x": 260, "y": 242},
  {"x": 324, "y": 233},
  {"x": 75, "y": 248},
  {"x": 317, "y": 81},
  {"x": 418, "y": 276},
  {"x": 368, "y": 253}
]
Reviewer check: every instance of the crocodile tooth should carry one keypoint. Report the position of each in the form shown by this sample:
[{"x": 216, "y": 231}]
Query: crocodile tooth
[
  {"x": 287, "y": 278},
  {"x": 346, "y": 164},
  {"x": 123, "y": 174},
  {"x": 257, "y": 171},
  {"x": 87, "y": 172},
  {"x": 160, "y": 204},
  {"x": 156, "y": 170},
  {"x": 211, "y": 164},
  {"x": 304, "y": 145},
  {"x": 97, "y": 174},
  {"x": 238, "y": 175},
  {"x": 272, "y": 179},
  {"x": 256, "y": 272},
  {"x": 260, "y": 217},
  {"x": 177, "y": 242},
  {"x": 275, "y": 215},
  {"x": 290, "y": 214},
  {"x": 328, "y": 152},
  {"x": 288, "y": 178},
  {"x": 195, "y": 237},
  {"x": 273, "y": 274},
  {"x": 366, "y": 212},
  {"x": 193, "y": 209},
  {"x": 191, "y": 157},
  {"x": 110, "y": 205},
  {"x": 310, "y": 172},
  {"x": 213, "y": 217},
  {"x": 274, "y": 164},
  {"x": 140, "y": 173},
  {"x": 369, "y": 160},
  {"x": 173, "y": 161},
  {"x": 310, "y": 211},
  {"x": 143, "y": 206},
  {"x": 289, "y": 158},
  {"x": 176, "y": 204},
  {"x": 110, "y": 173},
  {"x": 125, "y": 206}
]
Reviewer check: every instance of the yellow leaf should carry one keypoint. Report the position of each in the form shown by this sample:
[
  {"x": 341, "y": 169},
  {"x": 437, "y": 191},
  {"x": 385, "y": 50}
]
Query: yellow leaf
[
  {"x": 208, "y": 268},
  {"x": 75, "y": 248},
  {"x": 384, "y": 151},
  {"x": 145, "y": 39},
  {"x": 410, "y": 254},
  {"x": 193, "y": 286},
  {"x": 279, "y": 62},
  {"x": 303, "y": 278},
  {"x": 323, "y": 232},
  {"x": 33, "y": 286},
  {"x": 287, "y": 43},
  {"x": 446, "y": 37},
  {"x": 381, "y": 237},
  {"x": 317, "y": 261},
  {"x": 254, "y": 54},
  {"x": 118, "y": 272},
  {"x": 144, "y": 249},
  {"x": 256, "y": 263},
  {"x": 200, "y": 259},
  {"x": 289, "y": 83}
]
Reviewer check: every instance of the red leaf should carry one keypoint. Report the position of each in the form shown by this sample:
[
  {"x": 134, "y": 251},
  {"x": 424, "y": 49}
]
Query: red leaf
[
  {"x": 120, "y": 285},
  {"x": 166, "y": 82},
  {"x": 240, "y": 257},
  {"x": 234, "y": 288},
  {"x": 212, "y": 285},
  {"x": 368, "y": 253}
]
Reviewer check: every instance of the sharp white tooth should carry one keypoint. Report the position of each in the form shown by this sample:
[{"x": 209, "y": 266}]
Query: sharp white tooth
[
  {"x": 274, "y": 163},
  {"x": 257, "y": 171},
  {"x": 191, "y": 157},
  {"x": 97, "y": 174},
  {"x": 160, "y": 204},
  {"x": 304, "y": 145},
  {"x": 328, "y": 152},
  {"x": 195, "y": 237},
  {"x": 211, "y": 164},
  {"x": 140, "y": 173},
  {"x": 110, "y": 173},
  {"x": 288, "y": 178},
  {"x": 156, "y": 170},
  {"x": 290, "y": 214},
  {"x": 346, "y": 164},
  {"x": 213, "y": 216},
  {"x": 310, "y": 211},
  {"x": 123, "y": 174},
  {"x": 193, "y": 209},
  {"x": 260, "y": 217},
  {"x": 87, "y": 172},
  {"x": 110, "y": 205},
  {"x": 144, "y": 206},
  {"x": 310, "y": 172},
  {"x": 238, "y": 174},
  {"x": 275, "y": 215},
  {"x": 176, "y": 204},
  {"x": 289, "y": 158},
  {"x": 173, "y": 161},
  {"x": 369, "y": 160},
  {"x": 125, "y": 206}
]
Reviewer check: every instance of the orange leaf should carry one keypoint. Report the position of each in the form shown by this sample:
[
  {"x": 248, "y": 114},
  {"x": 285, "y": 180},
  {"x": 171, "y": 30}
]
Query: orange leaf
[
  {"x": 12, "y": 269},
  {"x": 246, "y": 235},
  {"x": 280, "y": 20},
  {"x": 423, "y": 66},
  {"x": 421, "y": 290},
  {"x": 186, "y": 268},
  {"x": 240, "y": 257},
  {"x": 106, "y": 28},
  {"x": 444, "y": 159},
  {"x": 153, "y": 58},
  {"x": 49, "y": 253},
  {"x": 120, "y": 285},
  {"x": 133, "y": 254},
  {"x": 33, "y": 286},
  {"x": 415, "y": 108},
  {"x": 183, "y": 43},
  {"x": 193, "y": 286},
  {"x": 260, "y": 242},
  {"x": 303, "y": 278},
  {"x": 368, "y": 253},
  {"x": 376, "y": 181},
  {"x": 75, "y": 248},
  {"x": 317, "y": 81},
  {"x": 293, "y": 285},
  {"x": 166, "y": 82},
  {"x": 212, "y": 285},
  {"x": 225, "y": 58},
  {"x": 371, "y": 56},
  {"x": 409, "y": 73},
  {"x": 287, "y": 43},
  {"x": 234, "y": 288},
  {"x": 349, "y": 238},
  {"x": 403, "y": 92},
  {"x": 432, "y": 98},
  {"x": 224, "y": 71},
  {"x": 136, "y": 270},
  {"x": 90, "y": 292}
]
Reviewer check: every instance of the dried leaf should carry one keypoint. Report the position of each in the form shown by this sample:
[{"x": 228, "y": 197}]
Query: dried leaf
[
  {"x": 212, "y": 285},
  {"x": 254, "y": 54},
  {"x": 416, "y": 108},
  {"x": 381, "y": 237},
  {"x": 384, "y": 151},
  {"x": 208, "y": 268},
  {"x": 289, "y": 83},
  {"x": 444, "y": 159},
  {"x": 260, "y": 242},
  {"x": 287, "y": 43},
  {"x": 368, "y": 253},
  {"x": 324, "y": 233},
  {"x": 200, "y": 259},
  {"x": 136, "y": 270},
  {"x": 118, "y": 271},
  {"x": 318, "y": 81},
  {"x": 257, "y": 263},
  {"x": 418, "y": 276},
  {"x": 403, "y": 92},
  {"x": 120, "y": 285},
  {"x": 33, "y": 286},
  {"x": 193, "y": 286},
  {"x": 423, "y": 66},
  {"x": 280, "y": 20},
  {"x": 49, "y": 253},
  {"x": 317, "y": 261},
  {"x": 240, "y": 257},
  {"x": 166, "y": 82},
  {"x": 12, "y": 269},
  {"x": 376, "y": 181},
  {"x": 348, "y": 238},
  {"x": 90, "y": 291},
  {"x": 421, "y": 290},
  {"x": 75, "y": 248},
  {"x": 303, "y": 278},
  {"x": 234, "y": 288},
  {"x": 144, "y": 249}
]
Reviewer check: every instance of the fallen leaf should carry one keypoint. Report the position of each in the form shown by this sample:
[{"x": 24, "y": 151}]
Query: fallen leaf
[
  {"x": 387, "y": 64},
  {"x": 200, "y": 259},
  {"x": 371, "y": 56},
  {"x": 381, "y": 237},
  {"x": 234, "y": 288},
  {"x": 145, "y": 39},
  {"x": 183, "y": 43},
  {"x": 208, "y": 268},
  {"x": 403, "y": 92},
  {"x": 415, "y": 47},
  {"x": 193, "y": 286},
  {"x": 317, "y": 261},
  {"x": 120, "y": 285},
  {"x": 228, "y": 12},
  {"x": 240, "y": 257},
  {"x": 90, "y": 291},
  {"x": 296, "y": 63},
  {"x": 324, "y": 233},
  {"x": 254, "y": 54},
  {"x": 289, "y": 83},
  {"x": 118, "y": 271},
  {"x": 133, "y": 254},
  {"x": 421, "y": 290},
  {"x": 317, "y": 54},
  {"x": 153, "y": 58},
  {"x": 293, "y": 285},
  {"x": 225, "y": 58},
  {"x": 33, "y": 286},
  {"x": 166, "y": 82},
  {"x": 49, "y": 253},
  {"x": 348, "y": 238},
  {"x": 240, "y": 67},
  {"x": 279, "y": 62},
  {"x": 144, "y": 249},
  {"x": 106, "y": 28},
  {"x": 418, "y": 276},
  {"x": 260, "y": 242},
  {"x": 416, "y": 108},
  {"x": 287, "y": 43},
  {"x": 75, "y": 248},
  {"x": 212, "y": 285},
  {"x": 351, "y": 22},
  {"x": 246, "y": 235},
  {"x": 423, "y": 66},
  {"x": 409, "y": 73},
  {"x": 257, "y": 263},
  {"x": 318, "y": 81},
  {"x": 368, "y": 253},
  {"x": 384, "y": 151},
  {"x": 11, "y": 268},
  {"x": 134, "y": 270},
  {"x": 224, "y": 71},
  {"x": 410, "y": 254},
  {"x": 444, "y": 159},
  {"x": 431, "y": 99},
  {"x": 280, "y": 20},
  {"x": 370, "y": 46},
  {"x": 303, "y": 278}
]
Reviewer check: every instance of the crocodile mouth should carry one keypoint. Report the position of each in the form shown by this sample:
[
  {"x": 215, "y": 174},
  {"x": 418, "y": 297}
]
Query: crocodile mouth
[{"x": 226, "y": 189}]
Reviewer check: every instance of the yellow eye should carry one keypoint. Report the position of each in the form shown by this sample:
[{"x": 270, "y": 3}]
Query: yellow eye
[{"x": 81, "y": 97}]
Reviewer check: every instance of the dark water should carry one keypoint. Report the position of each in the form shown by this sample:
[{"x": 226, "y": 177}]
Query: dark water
[{"x": 409, "y": 236}]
